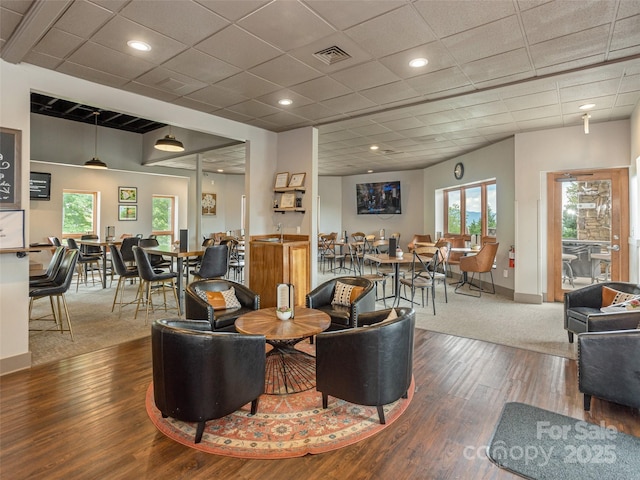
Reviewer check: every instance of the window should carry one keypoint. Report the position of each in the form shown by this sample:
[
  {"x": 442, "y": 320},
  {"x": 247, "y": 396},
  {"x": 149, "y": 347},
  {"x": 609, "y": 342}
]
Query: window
[
  {"x": 163, "y": 220},
  {"x": 471, "y": 210},
  {"x": 79, "y": 213}
]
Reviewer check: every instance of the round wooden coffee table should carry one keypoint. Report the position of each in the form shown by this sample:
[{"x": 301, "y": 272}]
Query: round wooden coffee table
[{"x": 288, "y": 370}]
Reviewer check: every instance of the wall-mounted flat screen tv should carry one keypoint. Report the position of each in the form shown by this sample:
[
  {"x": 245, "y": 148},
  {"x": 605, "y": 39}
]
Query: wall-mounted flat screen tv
[
  {"x": 40, "y": 186},
  {"x": 378, "y": 198}
]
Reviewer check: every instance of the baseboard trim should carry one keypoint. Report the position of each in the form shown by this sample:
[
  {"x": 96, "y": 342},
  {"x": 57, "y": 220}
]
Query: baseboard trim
[
  {"x": 16, "y": 363},
  {"x": 527, "y": 298}
]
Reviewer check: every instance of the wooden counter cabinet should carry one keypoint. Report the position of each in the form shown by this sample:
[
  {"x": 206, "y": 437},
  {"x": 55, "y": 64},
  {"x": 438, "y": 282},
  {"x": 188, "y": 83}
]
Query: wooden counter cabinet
[{"x": 273, "y": 261}]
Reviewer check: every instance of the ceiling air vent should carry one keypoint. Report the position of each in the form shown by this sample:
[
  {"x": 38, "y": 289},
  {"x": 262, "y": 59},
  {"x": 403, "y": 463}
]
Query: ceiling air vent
[{"x": 332, "y": 55}]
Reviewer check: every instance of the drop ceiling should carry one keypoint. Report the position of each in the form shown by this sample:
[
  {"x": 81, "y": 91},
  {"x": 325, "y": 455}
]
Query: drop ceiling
[{"x": 495, "y": 68}]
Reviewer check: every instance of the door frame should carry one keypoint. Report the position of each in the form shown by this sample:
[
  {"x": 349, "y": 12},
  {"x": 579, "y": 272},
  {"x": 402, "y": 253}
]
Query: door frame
[{"x": 619, "y": 224}]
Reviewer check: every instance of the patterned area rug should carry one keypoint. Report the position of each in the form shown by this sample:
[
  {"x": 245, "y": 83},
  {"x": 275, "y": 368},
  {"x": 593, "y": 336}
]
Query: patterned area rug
[{"x": 285, "y": 426}]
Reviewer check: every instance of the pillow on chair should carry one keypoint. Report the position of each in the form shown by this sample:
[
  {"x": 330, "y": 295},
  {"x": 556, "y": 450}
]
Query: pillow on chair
[
  {"x": 220, "y": 300},
  {"x": 614, "y": 297},
  {"x": 344, "y": 294}
]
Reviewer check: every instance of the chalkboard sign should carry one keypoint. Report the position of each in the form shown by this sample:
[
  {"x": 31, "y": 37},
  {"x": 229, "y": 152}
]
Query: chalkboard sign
[{"x": 10, "y": 179}]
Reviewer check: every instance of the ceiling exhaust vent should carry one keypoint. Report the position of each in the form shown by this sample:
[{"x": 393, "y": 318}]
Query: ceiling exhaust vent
[{"x": 332, "y": 55}]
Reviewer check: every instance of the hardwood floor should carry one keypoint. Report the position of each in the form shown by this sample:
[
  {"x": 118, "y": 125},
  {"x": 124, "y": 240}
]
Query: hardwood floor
[{"x": 84, "y": 418}]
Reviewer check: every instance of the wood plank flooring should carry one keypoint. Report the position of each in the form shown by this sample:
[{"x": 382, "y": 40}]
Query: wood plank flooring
[{"x": 84, "y": 418}]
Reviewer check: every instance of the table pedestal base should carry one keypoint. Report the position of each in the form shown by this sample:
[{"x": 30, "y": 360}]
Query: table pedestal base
[{"x": 288, "y": 370}]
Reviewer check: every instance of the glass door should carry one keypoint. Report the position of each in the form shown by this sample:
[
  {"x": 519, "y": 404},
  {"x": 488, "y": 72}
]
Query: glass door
[{"x": 588, "y": 229}]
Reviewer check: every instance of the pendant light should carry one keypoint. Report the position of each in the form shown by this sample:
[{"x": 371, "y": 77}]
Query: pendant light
[
  {"x": 95, "y": 162},
  {"x": 169, "y": 143}
]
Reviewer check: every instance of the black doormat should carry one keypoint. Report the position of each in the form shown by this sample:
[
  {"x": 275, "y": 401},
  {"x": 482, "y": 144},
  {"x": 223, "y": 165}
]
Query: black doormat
[{"x": 540, "y": 445}]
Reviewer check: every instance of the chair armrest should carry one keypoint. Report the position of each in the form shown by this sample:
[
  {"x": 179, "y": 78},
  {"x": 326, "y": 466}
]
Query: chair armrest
[
  {"x": 197, "y": 309},
  {"x": 365, "y": 302},
  {"x": 609, "y": 366},
  {"x": 247, "y": 297},
  {"x": 321, "y": 295},
  {"x": 589, "y": 296},
  {"x": 606, "y": 322}
]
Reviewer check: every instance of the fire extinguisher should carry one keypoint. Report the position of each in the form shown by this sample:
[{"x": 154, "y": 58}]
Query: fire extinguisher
[{"x": 512, "y": 257}]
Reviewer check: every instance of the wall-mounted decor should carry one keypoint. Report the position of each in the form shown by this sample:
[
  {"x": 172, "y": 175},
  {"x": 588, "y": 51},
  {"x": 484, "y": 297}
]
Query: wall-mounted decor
[
  {"x": 288, "y": 200},
  {"x": 11, "y": 229},
  {"x": 127, "y": 212},
  {"x": 10, "y": 148},
  {"x": 297, "y": 180},
  {"x": 378, "y": 198},
  {"x": 282, "y": 180},
  {"x": 127, "y": 194},
  {"x": 208, "y": 203}
]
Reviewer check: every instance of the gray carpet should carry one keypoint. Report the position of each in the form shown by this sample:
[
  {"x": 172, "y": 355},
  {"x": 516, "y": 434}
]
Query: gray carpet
[
  {"x": 491, "y": 318},
  {"x": 542, "y": 445}
]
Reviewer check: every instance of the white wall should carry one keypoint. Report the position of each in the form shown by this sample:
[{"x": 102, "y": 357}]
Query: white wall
[
  {"x": 409, "y": 222},
  {"x": 331, "y": 205},
  {"x": 46, "y": 216},
  {"x": 16, "y": 84},
  {"x": 493, "y": 162},
  {"x": 229, "y": 190},
  {"x": 536, "y": 153}
]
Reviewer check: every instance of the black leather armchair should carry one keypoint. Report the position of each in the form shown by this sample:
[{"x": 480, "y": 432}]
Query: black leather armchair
[
  {"x": 582, "y": 310},
  {"x": 342, "y": 316},
  {"x": 609, "y": 366},
  {"x": 199, "y": 375},
  {"x": 370, "y": 365},
  {"x": 198, "y": 309}
]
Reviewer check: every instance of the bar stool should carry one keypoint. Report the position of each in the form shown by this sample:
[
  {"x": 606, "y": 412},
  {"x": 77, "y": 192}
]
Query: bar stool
[{"x": 567, "y": 258}]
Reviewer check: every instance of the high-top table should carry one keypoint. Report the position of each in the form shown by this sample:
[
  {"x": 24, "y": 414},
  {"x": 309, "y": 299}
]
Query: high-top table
[
  {"x": 288, "y": 370},
  {"x": 180, "y": 256},
  {"x": 104, "y": 244}
]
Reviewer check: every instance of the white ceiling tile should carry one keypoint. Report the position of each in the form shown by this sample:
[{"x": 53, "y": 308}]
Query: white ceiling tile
[
  {"x": 393, "y": 32},
  {"x": 201, "y": 66},
  {"x": 286, "y": 25},
  {"x": 499, "y": 66},
  {"x": 170, "y": 81},
  {"x": 248, "y": 85},
  {"x": 440, "y": 82},
  {"x": 321, "y": 88},
  {"x": 348, "y": 13},
  {"x": 367, "y": 75},
  {"x": 559, "y": 19},
  {"x": 83, "y": 18},
  {"x": 286, "y": 71},
  {"x": 109, "y": 61},
  {"x": 501, "y": 36},
  {"x": 584, "y": 44},
  {"x": 390, "y": 93},
  {"x": 233, "y": 9},
  {"x": 58, "y": 43},
  {"x": 237, "y": 47},
  {"x": 217, "y": 96},
  {"x": 190, "y": 22}
]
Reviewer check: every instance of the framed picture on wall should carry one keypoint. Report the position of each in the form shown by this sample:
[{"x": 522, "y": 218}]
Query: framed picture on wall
[
  {"x": 127, "y": 212},
  {"x": 297, "y": 180},
  {"x": 208, "y": 204},
  {"x": 288, "y": 200},
  {"x": 282, "y": 179},
  {"x": 127, "y": 194}
]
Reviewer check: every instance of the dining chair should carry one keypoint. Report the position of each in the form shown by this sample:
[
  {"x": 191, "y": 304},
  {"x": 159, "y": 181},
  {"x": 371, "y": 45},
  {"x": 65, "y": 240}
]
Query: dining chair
[
  {"x": 157, "y": 261},
  {"x": 482, "y": 262},
  {"x": 425, "y": 272},
  {"x": 85, "y": 263},
  {"x": 57, "y": 288},
  {"x": 124, "y": 273},
  {"x": 149, "y": 279},
  {"x": 126, "y": 250},
  {"x": 52, "y": 268},
  {"x": 214, "y": 263}
]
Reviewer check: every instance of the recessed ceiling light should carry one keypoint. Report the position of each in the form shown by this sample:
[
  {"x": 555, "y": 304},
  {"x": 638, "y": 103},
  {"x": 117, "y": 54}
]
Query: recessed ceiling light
[
  {"x": 220, "y": 170},
  {"x": 369, "y": 171},
  {"x": 139, "y": 45},
  {"x": 285, "y": 101},
  {"x": 418, "y": 62},
  {"x": 587, "y": 106},
  {"x": 374, "y": 147}
]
